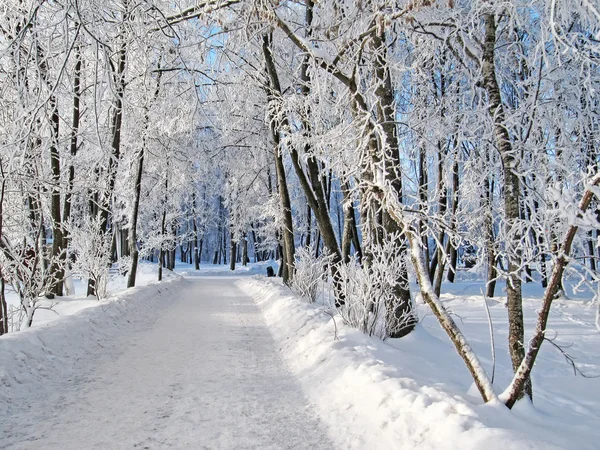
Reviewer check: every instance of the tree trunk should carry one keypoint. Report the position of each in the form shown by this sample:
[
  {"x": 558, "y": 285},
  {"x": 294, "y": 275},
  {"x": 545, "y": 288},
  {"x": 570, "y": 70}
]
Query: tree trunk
[
  {"x": 423, "y": 203},
  {"x": 245, "y": 259},
  {"x": 56, "y": 268},
  {"x": 516, "y": 334},
  {"x": 521, "y": 379},
  {"x": 196, "y": 238},
  {"x": 232, "y": 252},
  {"x": 163, "y": 228},
  {"x": 284, "y": 197},
  {"x": 133, "y": 248},
  {"x": 438, "y": 274},
  {"x": 116, "y": 122},
  {"x": 224, "y": 246},
  {"x": 591, "y": 250},
  {"x": 400, "y": 316},
  {"x": 74, "y": 144},
  {"x": 308, "y": 224},
  {"x": 3, "y": 305},
  {"x": 455, "y": 199}
]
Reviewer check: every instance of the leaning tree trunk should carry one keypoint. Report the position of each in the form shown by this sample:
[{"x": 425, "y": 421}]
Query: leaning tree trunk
[
  {"x": 310, "y": 182},
  {"x": 521, "y": 379},
  {"x": 384, "y": 127},
  {"x": 284, "y": 196}
]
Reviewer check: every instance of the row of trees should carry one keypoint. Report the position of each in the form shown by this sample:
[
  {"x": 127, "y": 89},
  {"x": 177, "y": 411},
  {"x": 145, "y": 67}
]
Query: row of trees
[{"x": 389, "y": 141}]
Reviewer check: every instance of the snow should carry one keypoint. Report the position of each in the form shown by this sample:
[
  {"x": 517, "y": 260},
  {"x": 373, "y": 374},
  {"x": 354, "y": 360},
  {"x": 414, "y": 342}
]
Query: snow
[
  {"x": 227, "y": 360},
  {"x": 50, "y": 310},
  {"x": 182, "y": 364},
  {"x": 416, "y": 393}
]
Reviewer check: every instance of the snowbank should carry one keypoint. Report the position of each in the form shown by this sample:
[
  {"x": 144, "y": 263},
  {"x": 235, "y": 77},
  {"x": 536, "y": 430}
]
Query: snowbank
[
  {"x": 50, "y": 310},
  {"x": 44, "y": 358},
  {"x": 394, "y": 394}
]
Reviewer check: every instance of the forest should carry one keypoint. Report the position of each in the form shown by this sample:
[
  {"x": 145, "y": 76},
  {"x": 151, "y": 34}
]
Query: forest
[{"x": 381, "y": 147}]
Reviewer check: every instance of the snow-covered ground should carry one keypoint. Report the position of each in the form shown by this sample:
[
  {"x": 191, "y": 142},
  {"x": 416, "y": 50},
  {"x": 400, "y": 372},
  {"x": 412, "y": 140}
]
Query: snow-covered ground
[
  {"x": 416, "y": 393},
  {"x": 195, "y": 362},
  {"x": 183, "y": 364},
  {"x": 50, "y": 310}
]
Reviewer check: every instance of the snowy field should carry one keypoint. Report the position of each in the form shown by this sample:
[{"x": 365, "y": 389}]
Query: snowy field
[{"x": 221, "y": 360}]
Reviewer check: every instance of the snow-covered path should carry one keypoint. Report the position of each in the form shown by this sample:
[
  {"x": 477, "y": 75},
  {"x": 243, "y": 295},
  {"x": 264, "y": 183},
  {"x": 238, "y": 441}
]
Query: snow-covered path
[{"x": 205, "y": 373}]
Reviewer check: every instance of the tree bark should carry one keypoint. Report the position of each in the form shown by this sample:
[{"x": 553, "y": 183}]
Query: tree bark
[
  {"x": 3, "y": 304},
  {"x": 133, "y": 247},
  {"x": 232, "y": 252},
  {"x": 284, "y": 196},
  {"x": 400, "y": 316},
  {"x": 245, "y": 259},
  {"x": 516, "y": 333},
  {"x": 438, "y": 273},
  {"x": 163, "y": 228},
  {"x": 116, "y": 122},
  {"x": 453, "y": 250},
  {"x": 423, "y": 202},
  {"x": 522, "y": 374},
  {"x": 196, "y": 237}
]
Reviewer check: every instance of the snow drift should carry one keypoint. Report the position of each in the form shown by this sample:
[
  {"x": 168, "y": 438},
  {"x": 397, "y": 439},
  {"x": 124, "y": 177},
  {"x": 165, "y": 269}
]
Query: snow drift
[{"x": 375, "y": 394}]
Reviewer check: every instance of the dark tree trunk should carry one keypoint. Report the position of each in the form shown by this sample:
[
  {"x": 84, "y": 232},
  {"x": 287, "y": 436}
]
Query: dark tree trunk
[
  {"x": 423, "y": 201},
  {"x": 56, "y": 268},
  {"x": 256, "y": 243},
  {"x": 224, "y": 247},
  {"x": 116, "y": 121},
  {"x": 311, "y": 180},
  {"x": 197, "y": 245},
  {"x": 3, "y": 304},
  {"x": 232, "y": 252},
  {"x": 279, "y": 251},
  {"x": 56, "y": 272},
  {"x": 492, "y": 273},
  {"x": 245, "y": 259},
  {"x": 163, "y": 228},
  {"x": 74, "y": 144},
  {"x": 308, "y": 224},
  {"x": 133, "y": 248},
  {"x": 288, "y": 227},
  {"x": 3, "y": 307},
  {"x": 438, "y": 274},
  {"x": 455, "y": 199},
  {"x": 350, "y": 232}
]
